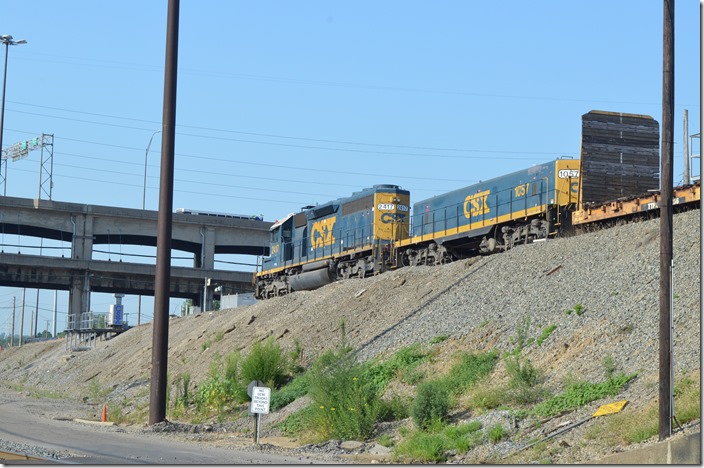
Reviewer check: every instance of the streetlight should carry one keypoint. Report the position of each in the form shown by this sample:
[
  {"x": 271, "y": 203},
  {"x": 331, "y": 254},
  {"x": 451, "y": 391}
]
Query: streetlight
[
  {"x": 144, "y": 192},
  {"x": 7, "y": 40},
  {"x": 144, "y": 197}
]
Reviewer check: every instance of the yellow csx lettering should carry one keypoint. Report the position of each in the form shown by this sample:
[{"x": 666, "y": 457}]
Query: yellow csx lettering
[
  {"x": 274, "y": 249},
  {"x": 475, "y": 205},
  {"x": 392, "y": 217},
  {"x": 321, "y": 233}
]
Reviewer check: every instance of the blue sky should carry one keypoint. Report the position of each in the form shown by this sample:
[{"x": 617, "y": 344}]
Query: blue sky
[{"x": 283, "y": 104}]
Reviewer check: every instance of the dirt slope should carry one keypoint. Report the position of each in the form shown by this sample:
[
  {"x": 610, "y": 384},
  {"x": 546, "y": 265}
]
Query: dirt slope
[{"x": 478, "y": 303}]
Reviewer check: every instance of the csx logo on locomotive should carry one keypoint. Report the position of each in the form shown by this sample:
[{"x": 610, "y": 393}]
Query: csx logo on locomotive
[
  {"x": 392, "y": 217},
  {"x": 475, "y": 205},
  {"x": 321, "y": 233}
]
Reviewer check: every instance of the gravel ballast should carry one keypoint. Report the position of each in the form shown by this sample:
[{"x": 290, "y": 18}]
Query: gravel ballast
[{"x": 611, "y": 277}]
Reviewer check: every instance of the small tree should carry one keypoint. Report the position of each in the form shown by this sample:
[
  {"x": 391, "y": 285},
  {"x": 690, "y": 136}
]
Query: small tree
[
  {"x": 266, "y": 362},
  {"x": 432, "y": 404}
]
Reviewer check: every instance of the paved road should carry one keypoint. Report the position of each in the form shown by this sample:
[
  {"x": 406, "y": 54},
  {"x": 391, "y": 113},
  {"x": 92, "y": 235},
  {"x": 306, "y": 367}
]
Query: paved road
[{"x": 27, "y": 421}]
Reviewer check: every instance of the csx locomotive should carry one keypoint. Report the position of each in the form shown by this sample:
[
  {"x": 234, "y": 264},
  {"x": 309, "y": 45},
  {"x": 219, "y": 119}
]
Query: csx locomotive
[{"x": 375, "y": 230}]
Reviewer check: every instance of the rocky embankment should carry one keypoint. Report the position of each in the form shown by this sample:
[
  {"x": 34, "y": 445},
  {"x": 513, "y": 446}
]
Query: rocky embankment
[{"x": 610, "y": 276}]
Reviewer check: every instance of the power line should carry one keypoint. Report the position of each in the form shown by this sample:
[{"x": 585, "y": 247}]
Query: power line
[{"x": 267, "y": 135}]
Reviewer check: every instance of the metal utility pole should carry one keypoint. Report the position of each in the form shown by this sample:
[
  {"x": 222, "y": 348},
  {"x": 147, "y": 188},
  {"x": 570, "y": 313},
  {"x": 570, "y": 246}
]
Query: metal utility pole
[
  {"x": 12, "y": 336},
  {"x": 22, "y": 318},
  {"x": 8, "y": 41},
  {"x": 160, "y": 328},
  {"x": 686, "y": 147},
  {"x": 665, "y": 328},
  {"x": 36, "y": 308},
  {"x": 144, "y": 200},
  {"x": 54, "y": 324}
]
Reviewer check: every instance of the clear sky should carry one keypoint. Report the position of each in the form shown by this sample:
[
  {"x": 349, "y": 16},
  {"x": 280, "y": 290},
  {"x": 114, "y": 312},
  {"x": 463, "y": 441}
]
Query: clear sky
[{"x": 283, "y": 104}]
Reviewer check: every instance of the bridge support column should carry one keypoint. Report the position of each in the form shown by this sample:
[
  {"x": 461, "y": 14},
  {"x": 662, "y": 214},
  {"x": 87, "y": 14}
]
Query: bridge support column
[
  {"x": 207, "y": 249},
  {"x": 206, "y": 261},
  {"x": 81, "y": 249},
  {"x": 207, "y": 295},
  {"x": 82, "y": 237},
  {"x": 78, "y": 299}
]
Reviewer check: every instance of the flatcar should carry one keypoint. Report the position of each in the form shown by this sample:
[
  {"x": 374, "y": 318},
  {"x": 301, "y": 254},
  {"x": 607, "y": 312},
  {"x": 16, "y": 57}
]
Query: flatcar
[{"x": 343, "y": 238}]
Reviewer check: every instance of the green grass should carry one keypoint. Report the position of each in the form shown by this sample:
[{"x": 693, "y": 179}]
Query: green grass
[
  {"x": 434, "y": 445},
  {"x": 401, "y": 365},
  {"x": 439, "y": 339},
  {"x": 547, "y": 331},
  {"x": 496, "y": 433},
  {"x": 580, "y": 393},
  {"x": 470, "y": 369},
  {"x": 297, "y": 388},
  {"x": 421, "y": 448}
]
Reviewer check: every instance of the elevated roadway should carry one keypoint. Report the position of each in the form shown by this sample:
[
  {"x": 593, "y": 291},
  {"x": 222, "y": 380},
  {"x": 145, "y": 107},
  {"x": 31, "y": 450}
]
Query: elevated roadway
[{"x": 85, "y": 226}]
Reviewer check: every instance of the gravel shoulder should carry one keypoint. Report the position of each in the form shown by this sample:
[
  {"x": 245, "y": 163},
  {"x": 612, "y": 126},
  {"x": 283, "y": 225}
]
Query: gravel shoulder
[{"x": 477, "y": 303}]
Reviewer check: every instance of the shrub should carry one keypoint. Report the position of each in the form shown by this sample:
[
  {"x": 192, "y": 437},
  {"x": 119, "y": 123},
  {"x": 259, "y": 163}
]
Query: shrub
[
  {"x": 346, "y": 402},
  {"x": 394, "y": 409},
  {"x": 296, "y": 423},
  {"x": 265, "y": 362},
  {"x": 183, "y": 391},
  {"x": 521, "y": 371},
  {"x": 432, "y": 404},
  {"x": 213, "y": 394},
  {"x": 346, "y": 406},
  {"x": 609, "y": 366},
  {"x": 297, "y": 388},
  {"x": 522, "y": 328}
]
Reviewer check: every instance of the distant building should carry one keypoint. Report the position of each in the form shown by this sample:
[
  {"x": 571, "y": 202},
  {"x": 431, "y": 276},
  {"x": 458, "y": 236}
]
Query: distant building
[{"x": 236, "y": 300}]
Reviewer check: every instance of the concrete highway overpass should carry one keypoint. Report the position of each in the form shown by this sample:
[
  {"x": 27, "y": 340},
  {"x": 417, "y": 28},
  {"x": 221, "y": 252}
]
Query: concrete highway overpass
[{"x": 85, "y": 226}]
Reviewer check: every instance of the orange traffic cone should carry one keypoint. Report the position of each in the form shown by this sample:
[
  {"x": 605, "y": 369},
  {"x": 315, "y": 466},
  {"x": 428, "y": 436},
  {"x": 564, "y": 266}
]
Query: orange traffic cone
[{"x": 104, "y": 417}]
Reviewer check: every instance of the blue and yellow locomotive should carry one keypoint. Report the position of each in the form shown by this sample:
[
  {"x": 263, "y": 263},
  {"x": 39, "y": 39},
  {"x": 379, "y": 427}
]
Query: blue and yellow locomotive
[
  {"x": 493, "y": 215},
  {"x": 370, "y": 231},
  {"x": 344, "y": 238}
]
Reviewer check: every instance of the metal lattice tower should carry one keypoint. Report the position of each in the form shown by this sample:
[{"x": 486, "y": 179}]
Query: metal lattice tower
[
  {"x": 21, "y": 150},
  {"x": 46, "y": 166}
]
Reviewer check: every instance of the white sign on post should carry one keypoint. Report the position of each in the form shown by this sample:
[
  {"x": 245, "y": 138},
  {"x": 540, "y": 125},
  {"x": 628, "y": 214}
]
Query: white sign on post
[{"x": 260, "y": 400}]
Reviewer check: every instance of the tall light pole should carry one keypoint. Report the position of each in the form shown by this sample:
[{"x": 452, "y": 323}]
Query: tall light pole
[
  {"x": 146, "y": 154},
  {"x": 144, "y": 198},
  {"x": 8, "y": 41}
]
